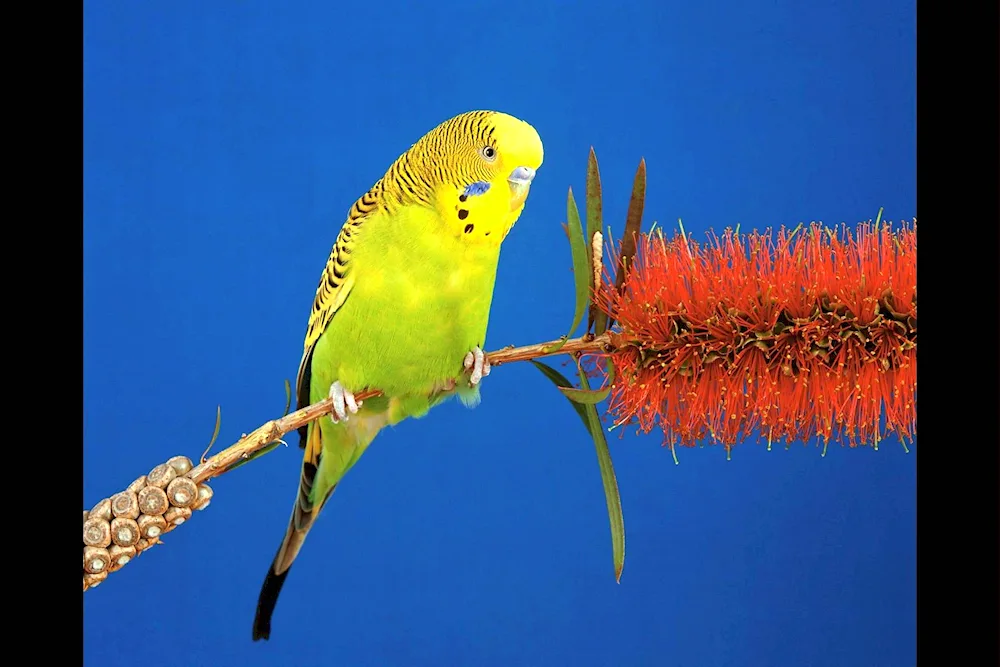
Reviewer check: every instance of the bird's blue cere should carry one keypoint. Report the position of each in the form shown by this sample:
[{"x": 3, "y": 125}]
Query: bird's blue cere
[{"x": 477, "y": 188}]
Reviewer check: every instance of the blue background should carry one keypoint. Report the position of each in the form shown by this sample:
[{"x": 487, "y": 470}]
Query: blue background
[{"x": 225, "y": 141}]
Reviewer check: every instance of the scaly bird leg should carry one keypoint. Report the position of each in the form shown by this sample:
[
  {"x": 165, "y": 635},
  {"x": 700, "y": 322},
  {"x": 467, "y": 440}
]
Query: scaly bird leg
[
  {"x": 343, "y": 403},
  {"x": 477, "y": 362}
]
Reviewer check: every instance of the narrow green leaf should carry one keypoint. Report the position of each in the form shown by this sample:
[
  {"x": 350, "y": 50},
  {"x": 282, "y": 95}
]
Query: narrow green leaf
[
  {"x": 554, "y": 347},
  {"x": 581, "y": 270},
  {"x": 588, "y": 414},
  {"x": 594, "y": 224},
  {"x": 633, "y": 226},
  {"x": 594, "y": 201},
  {"x": 215, "y": 433},
  {"x": 288, "y": 397},
  {"x": 600, "y": 320},
  {"x": 218, "y": 425},
  {"x": 586, "y": 397},
  {"x": 610, "y": 481}
]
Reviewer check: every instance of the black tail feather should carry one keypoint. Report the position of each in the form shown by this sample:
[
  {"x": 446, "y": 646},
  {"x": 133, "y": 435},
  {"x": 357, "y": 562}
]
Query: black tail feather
[
  {"x": 265, "y": 603},
  {"x": 304, "y": 512}
]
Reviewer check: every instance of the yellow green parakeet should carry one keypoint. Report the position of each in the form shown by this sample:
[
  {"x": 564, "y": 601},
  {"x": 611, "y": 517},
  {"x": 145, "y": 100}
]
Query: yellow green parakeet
[{"x": 403, "y": 303}]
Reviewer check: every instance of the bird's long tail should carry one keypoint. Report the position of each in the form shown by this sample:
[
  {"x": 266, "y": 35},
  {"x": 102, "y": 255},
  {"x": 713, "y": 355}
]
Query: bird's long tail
[
  {"x": 304, "y": 512},
  {"x": 330, "y": 451}
]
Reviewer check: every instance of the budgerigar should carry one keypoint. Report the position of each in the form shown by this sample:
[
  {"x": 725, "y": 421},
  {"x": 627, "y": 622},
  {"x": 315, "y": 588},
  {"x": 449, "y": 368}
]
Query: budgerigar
[{"x": 403, "y": 303}]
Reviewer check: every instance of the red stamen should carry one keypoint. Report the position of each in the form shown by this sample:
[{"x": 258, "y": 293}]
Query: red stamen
[{"x": 793, "y": 336}]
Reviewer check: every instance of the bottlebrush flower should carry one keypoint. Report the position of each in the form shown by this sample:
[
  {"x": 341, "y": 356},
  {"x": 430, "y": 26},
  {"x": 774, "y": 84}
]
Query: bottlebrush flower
[{"x": 803, "y": 334}]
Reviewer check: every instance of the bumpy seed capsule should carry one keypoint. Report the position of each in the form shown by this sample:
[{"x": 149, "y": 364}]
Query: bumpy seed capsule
[
  {"x": 120, "y": 556},
  {"x": 161, "y": 475},
  {"x": 151, "y": 525},
  {"x": 146, "y": 543},
  {"x": 153, "y": 500},
  {"x": 94, "y": 580},
  {"x": 125, "y": 504},
  {"x": 85, "y": 515},
  {"x": 181, "y": 464},
  {"x": 96, "y": 533},
  {"x": 204, "y": 497},
  {"x": 182, "y": 492},
  {"x": 124, "y": 532},
  {"x": 137, "y": 485},
  {"x": 95, "y": 559},
  {"x": 175, "y": 516},
  {"x": 102, "y": 510}
]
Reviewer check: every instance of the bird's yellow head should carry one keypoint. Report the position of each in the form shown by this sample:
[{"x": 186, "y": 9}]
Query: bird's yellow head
[{"x": 476, "y": 170}]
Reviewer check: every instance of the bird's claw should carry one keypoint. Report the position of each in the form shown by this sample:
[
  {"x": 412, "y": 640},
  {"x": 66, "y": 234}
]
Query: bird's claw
[
  {"x": 344, "y": 403},
  {"x": 477, "y": 362}
]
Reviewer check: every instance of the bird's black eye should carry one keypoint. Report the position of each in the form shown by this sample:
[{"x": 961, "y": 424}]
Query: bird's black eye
[{"x": 489, "y": 153}]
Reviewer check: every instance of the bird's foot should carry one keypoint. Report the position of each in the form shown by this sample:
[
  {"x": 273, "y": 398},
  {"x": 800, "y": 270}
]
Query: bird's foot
[
  {"x": 476, "y": 362},
  {"x": 344, "y": 404}
]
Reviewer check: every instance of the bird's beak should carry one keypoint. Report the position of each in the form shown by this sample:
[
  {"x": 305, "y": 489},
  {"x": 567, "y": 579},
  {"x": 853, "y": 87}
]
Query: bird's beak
[{"x": 519, "y": 181}]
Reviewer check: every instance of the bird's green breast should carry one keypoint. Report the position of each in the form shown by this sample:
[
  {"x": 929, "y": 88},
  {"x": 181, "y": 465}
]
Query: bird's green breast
[{"x": 421, "y": 300}]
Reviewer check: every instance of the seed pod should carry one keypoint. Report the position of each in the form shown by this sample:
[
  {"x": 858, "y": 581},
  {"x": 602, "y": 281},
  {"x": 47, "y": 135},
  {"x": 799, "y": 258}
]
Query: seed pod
[
  {"x": 124, "y": 532},
  {"x": 102, "y": 510},
  {"x": 120, "y": 556},
  {"x": 94, "y": 580},
  {"x": 95, "y": 559},
  {"x": 145, "y": 543},
  {"x": 137, "y": 485},
  {"x": 204, "y": 497},
  {"x": 151, "y": 525},
  {"x": 96, "y": 533},
  {"x": 125, "y": 504},
  {"x": 153, "y": 500},
  {"x": 182, "y": 492},
  {"x": 175, "y": 516},
  {"x": 85, "y": 515},
  {"x": 181, "y": 464},
  {"x": 161, "y": 475}
]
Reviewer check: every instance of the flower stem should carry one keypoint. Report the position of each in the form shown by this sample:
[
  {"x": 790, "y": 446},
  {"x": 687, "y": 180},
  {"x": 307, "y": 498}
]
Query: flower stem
[{"x": 270, "y": 433}]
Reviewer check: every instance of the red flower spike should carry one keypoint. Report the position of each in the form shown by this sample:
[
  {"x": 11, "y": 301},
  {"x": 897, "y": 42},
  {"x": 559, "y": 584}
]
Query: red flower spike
[{"x": 797, "y": 335}]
